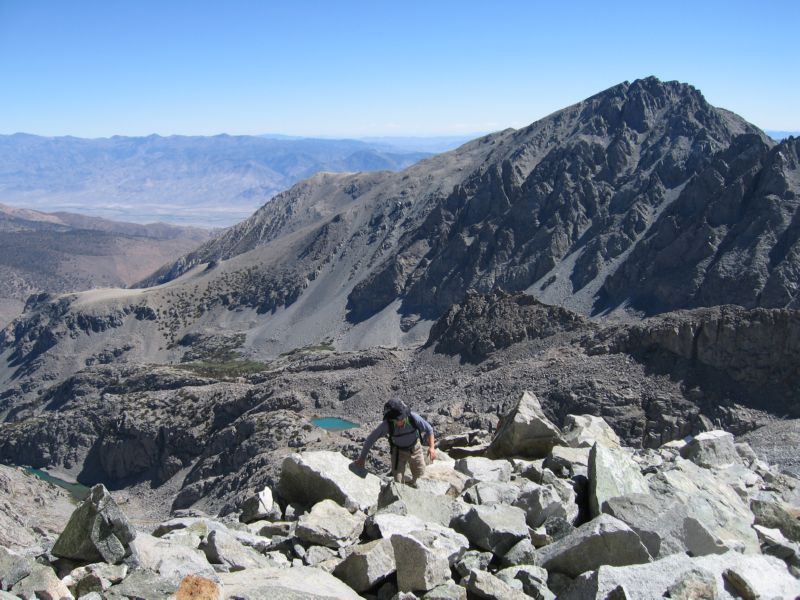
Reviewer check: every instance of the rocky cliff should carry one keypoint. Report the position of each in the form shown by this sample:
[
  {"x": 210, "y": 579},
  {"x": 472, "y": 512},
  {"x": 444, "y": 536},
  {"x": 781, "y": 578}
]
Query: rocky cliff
[
  {"x": 559, "y": 204},
  {"x": 731, "y": 237},
  {"x": 485, "y": 323},
  {"x": 753, "y": 353}
]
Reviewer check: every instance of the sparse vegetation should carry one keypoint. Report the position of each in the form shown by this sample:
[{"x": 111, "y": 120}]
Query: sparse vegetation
[
  {"x": 325, "y": 346},
  {"x": 224, "y": 370}
]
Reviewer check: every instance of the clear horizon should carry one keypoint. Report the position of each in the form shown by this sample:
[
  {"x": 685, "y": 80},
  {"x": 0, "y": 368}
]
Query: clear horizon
[
  {"x": 358, "y": 69},
  {"x": 271, "y": 135}
]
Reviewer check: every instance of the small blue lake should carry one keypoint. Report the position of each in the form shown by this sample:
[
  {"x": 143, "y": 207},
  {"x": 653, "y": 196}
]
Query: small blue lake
[
  {"x": 333, "y": 423},
  {"x": 77, "y": 490}
]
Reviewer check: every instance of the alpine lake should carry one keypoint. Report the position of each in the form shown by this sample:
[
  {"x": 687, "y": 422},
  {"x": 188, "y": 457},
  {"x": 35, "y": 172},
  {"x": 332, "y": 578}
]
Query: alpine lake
[
  {"x": 76, "y": 490},
  {"x": 333, "y": 423}
]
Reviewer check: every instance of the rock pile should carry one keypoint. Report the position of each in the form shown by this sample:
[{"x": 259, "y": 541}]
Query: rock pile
[{"x": 588, "y": 518}]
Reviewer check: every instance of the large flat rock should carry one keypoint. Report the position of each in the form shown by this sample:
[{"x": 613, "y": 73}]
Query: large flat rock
[
  {"x": 710, "y": 501},
  {"x": 766, "y": 575},
  {"x": 711, "y": 449},
  {"x": 142, "y": 584},
  {"x": 612, "y": 473},
  {"x": 172, "y": 561},
  {"x": 222, "y": 548},
  {"x": 42, "y": 582},
  {"x": 541, "y": 502},
  {"x": 295, "y": 583},
  {"x": 311, "y": 477},
  {"x": 367, "y": 565},
  {"x": 495, "y": 527},
  {"x": 423, "y": 505},
  {"x": 666, "y": 526},
  {"x": 479, "y": 468},
  {"x": 602, "y": 541},
  {"x": 328, "y": 524},
  {"x": 481, "y": 584},
  {"x": 421, "y": 566},
  {"x": 584, "y": 431},
  {"x": 385, "y": 525}
]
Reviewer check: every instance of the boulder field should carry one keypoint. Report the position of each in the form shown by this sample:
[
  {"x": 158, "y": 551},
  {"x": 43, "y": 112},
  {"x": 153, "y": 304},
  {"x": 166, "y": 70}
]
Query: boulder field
[{"x": 537, "y": 512}]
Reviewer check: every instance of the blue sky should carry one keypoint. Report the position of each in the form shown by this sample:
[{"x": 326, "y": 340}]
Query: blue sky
[{"x": 95, "y": 69}]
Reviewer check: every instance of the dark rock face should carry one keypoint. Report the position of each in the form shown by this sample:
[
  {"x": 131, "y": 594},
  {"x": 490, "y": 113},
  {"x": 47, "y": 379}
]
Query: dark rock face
[
  {"x": 753, "y": 351},
  {"x": 747, "y": 353},
  {"x": 51, "y": 320},
  {"x": 591, "y": 178},
  {"x": 731, "y": 237},
  {"x": 486, "y": 323},
  {"x": 104, "y": 433},
  {"x": 726, "y": 357}
]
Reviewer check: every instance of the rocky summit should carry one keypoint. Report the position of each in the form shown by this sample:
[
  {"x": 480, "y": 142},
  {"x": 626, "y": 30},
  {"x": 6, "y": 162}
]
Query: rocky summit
[
  {"x": 702, "y": 518},
  {"x": 597, "y": 313}
]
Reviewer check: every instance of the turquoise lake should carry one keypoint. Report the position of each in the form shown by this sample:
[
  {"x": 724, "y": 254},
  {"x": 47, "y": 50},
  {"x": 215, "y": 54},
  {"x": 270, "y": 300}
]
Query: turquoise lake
[
  {"x": 78, "y": 491},
  {"x": 333, "y": 423}
]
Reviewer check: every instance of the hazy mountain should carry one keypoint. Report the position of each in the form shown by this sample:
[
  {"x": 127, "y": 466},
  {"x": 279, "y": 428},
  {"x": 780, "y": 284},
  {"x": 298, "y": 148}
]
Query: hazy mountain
[
  {"x": 24, "y": 219},
  {"x": 209, "y": 181},
  {"x": 63, "y": 252},
  {"x": 781, "y": 135},
  {"x": 434, "y": 144}
]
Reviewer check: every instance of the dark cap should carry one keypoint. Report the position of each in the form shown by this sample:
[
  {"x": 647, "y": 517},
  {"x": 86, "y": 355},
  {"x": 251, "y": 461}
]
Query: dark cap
[{"x": 395, "y": 409}]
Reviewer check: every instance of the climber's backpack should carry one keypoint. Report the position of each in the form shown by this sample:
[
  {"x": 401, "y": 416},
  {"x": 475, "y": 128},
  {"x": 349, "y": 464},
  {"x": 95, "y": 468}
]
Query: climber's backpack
[{"x": 393, "y": 410}]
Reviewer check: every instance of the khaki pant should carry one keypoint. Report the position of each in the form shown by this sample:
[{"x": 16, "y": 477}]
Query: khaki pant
[{"x": 414, "y": 457}]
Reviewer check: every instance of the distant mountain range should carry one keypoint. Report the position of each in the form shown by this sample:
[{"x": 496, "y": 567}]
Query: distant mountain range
[
  {"x": 205, "y": 181},
  {"x": 781, "y": 135},
  {"x": 64, "y": 252},
  {"x": 434, "y": 144},
  {"x": 431, "y": 144}
]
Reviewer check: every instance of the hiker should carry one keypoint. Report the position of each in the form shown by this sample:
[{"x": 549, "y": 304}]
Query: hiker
[{"x": 404, "y": 429}]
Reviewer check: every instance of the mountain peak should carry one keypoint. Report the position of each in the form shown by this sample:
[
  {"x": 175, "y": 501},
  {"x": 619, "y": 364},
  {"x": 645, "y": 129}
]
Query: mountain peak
[{"x": 587, "y": 181}]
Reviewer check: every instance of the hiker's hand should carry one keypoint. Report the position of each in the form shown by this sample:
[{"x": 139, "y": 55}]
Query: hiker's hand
[
  {"x": 432, "y": 453},
  {"x": 359, "y": 462}
]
